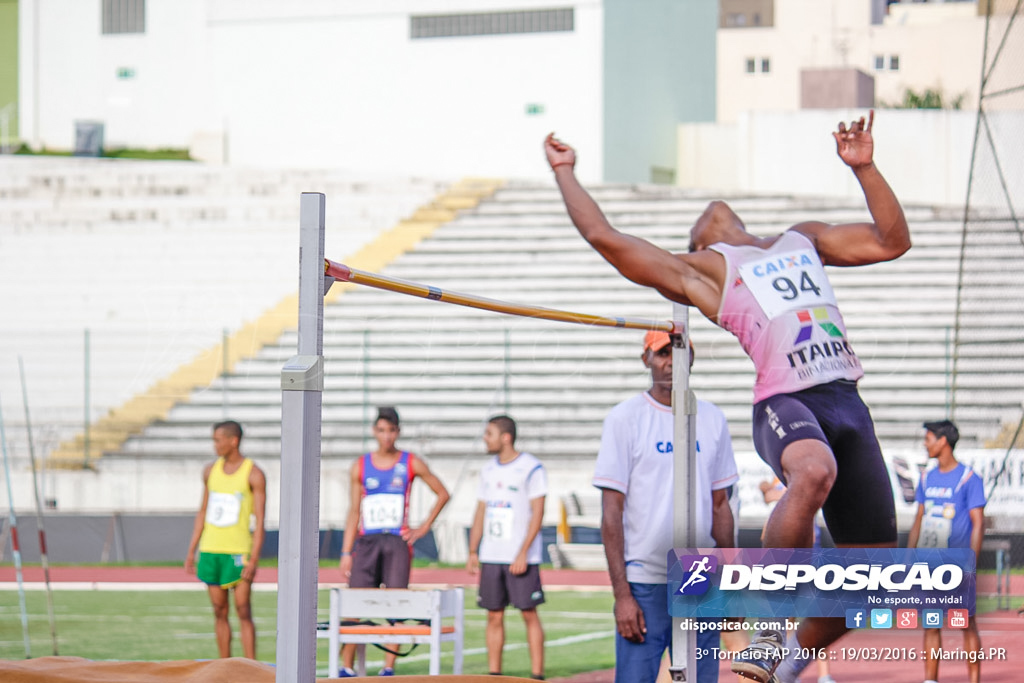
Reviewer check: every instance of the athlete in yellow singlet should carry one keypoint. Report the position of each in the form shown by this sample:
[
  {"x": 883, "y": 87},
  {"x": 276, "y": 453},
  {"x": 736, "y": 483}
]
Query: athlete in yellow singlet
[{"x": 228, "y": 534}]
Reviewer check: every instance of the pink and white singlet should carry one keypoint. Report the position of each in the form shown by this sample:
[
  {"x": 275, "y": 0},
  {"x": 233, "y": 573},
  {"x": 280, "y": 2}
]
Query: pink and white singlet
[{"x": 780, "y": 306}]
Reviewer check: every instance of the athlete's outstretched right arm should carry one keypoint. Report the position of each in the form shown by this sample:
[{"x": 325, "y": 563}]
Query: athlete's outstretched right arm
[{"x": 674, "y": 276}]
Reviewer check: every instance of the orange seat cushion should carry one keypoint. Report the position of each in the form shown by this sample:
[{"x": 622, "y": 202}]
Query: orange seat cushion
[{"x": 392, "y": 630}]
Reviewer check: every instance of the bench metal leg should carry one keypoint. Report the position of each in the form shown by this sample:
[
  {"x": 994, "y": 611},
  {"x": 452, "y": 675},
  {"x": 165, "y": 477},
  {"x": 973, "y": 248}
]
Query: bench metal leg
[
  {"x": 361, "y": 659},
  {"x": 999, "y": 581},
  {"x": 333, "y": 644}
]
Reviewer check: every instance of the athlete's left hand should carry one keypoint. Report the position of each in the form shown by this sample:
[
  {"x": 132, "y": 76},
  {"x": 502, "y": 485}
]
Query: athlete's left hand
[
  {"x": 411, "y": 535},
  {"x": 249, "y": 570},
  {"x": 855, "y": 145},
  {"x": 518, "y": 565}
]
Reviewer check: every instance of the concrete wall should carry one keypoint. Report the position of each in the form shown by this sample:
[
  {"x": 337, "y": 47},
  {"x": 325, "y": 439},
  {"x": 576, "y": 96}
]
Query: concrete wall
[
  {"x": 348, "y": 87},
  {"x": 924, "y": 154},
  {"x": 9, "y": 65},
  {"x": 136, "y": 486},
  {"x": 659, "y": 70},
  {"x": 80, "y": 74},
  {"x": 317, "y": 84}
]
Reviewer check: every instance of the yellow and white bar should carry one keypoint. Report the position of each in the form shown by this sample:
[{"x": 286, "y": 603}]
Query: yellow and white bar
[{"x": 342, "y": 272}]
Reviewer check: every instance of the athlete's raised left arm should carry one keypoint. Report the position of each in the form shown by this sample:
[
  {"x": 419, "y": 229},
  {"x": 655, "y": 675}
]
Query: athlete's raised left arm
[
  {"x": 977, "y": 529},
  {"x": 521, "y": 563},
  {"x": 420, "y": 469},
  {"x": 857, "y": 244},
  {"x": 258, "y": 484}
]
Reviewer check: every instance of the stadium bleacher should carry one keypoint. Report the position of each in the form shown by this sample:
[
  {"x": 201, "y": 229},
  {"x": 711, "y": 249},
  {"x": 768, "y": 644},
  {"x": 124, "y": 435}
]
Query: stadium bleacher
[
  {"x": 156, "y": 260},
  {"x": 162, "y": 282},
  {"x": 448, "y": 368}
]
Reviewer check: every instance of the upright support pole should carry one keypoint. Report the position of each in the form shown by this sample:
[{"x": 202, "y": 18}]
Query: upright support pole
[
  {"x": 15, "y": 547},
  {"x": 44, "y": 558},
  {"x": 684, "y": 528},
  {"x": 302, "y": 384},
  {"x": 507, "y": 372},
  {"x": 224, "y": 361},
  {"x": 366, "y": 391},
  {"x": 88, "y": 409}
]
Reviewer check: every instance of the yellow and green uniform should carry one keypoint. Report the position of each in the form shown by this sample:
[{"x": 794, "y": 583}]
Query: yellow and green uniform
[{"x": 226, "y": 541}]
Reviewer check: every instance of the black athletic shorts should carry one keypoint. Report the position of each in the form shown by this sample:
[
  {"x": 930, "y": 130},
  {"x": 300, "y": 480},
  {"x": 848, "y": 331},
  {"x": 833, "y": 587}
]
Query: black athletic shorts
[
  {"x": 380, "y": 560},
  {"x": 499, "y": 587},
  {"x": 860, "y": 507}
]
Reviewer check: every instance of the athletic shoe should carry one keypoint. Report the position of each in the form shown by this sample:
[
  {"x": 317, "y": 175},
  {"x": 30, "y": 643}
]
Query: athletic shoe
[
  {"x": 345, "y": 672},
  {"x": 759, "y": 661},
  {"x": 386, "y": 671}
]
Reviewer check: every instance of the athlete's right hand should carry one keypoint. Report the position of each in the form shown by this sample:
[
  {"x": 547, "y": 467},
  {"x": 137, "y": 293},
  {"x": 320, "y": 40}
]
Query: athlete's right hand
[
  {"x": 629, "y": 620},
  {"x": 346, "y": 566},
  {"x": 558, "y": 153},
  {"x": 190, "y": 565},
  {"x": 473, "y": 563}
]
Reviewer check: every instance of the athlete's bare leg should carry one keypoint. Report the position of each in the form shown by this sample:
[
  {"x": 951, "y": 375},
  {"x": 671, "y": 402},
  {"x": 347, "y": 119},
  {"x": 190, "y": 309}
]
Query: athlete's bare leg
[
  {"x": 246, "y": 627},
  {"x": 810, "y": 470},
  {"x": 221, "y": 625}
]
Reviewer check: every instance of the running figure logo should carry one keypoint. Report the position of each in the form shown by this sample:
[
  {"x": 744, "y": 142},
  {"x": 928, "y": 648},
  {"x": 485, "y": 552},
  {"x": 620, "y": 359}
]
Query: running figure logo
[{"x": 695, "y": 581}]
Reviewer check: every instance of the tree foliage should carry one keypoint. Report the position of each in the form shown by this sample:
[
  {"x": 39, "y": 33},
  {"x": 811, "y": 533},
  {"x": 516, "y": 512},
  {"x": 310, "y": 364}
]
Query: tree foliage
[{"x": 929, "y": 98}]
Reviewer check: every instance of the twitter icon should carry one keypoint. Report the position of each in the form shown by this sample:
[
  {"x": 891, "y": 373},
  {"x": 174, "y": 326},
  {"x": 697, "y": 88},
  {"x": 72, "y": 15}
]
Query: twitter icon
[{"x": 881, "y": 618}]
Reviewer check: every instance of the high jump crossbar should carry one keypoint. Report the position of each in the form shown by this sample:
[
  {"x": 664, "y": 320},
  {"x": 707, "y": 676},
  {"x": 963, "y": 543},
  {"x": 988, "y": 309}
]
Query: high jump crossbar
[
  {"x": 340, "y": 271},
  {"x": 683, "y": 664}
]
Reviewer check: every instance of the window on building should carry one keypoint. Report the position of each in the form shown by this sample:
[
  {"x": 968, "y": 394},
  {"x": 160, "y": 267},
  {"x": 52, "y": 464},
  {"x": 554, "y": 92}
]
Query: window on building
[
  {"x": 894, "y": 62},
  {"x": 735, "y": 19},
  {"x": 766, "y": 65},
  {"x": 879, "y": 62},
  {"x": 124, "y": 16},
  {"x": 491, "y": 23},
  {"x": 751, "y": 66}
]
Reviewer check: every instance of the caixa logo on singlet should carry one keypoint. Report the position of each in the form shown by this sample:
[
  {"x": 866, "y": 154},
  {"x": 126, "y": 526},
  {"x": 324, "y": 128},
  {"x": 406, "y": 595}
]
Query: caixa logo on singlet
[{"x": 696, "y": 579}]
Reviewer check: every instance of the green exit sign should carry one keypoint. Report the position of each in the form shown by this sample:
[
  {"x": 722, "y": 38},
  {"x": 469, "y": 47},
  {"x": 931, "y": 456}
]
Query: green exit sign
[
  {"x": 534, "y": 109},
  {"x": 125, "y": 73}
]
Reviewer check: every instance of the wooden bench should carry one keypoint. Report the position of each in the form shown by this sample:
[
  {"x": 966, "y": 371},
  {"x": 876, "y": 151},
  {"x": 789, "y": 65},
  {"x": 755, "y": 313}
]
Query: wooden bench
[{"x": 431, "y": 606}]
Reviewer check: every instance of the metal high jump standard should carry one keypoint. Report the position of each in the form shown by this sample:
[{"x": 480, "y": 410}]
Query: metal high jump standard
[{"x": 302, "y": 383}]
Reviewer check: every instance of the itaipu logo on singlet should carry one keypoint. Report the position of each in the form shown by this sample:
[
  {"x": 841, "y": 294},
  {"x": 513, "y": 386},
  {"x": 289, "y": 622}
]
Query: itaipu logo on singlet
[{"x": 793, "y": 291}]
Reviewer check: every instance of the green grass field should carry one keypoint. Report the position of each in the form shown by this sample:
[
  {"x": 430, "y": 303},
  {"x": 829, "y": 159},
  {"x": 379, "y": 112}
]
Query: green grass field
[{"x": 170, "y": 625}]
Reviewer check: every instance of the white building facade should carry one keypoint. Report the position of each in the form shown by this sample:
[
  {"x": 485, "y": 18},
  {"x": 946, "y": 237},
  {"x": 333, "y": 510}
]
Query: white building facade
[
  {"x": 440, "y": 88},
  {"x": 909, "y": 45}
]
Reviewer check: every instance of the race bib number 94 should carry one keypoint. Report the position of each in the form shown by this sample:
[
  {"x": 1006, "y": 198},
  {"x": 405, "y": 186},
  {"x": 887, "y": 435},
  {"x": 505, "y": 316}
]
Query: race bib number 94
[{"x": 789, "y": 281}]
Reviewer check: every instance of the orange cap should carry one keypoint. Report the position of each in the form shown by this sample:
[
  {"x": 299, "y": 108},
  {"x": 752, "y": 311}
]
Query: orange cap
[{"x": 656, "y": 340}]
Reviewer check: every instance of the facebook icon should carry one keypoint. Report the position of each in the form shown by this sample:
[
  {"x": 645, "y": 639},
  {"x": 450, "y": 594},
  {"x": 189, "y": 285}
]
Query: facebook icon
[{"x": 856, "y": 618}]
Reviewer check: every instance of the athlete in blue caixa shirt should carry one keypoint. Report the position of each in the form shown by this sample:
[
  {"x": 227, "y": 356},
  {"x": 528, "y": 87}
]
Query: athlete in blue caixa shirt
[{"x": 950, "y": 514}]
